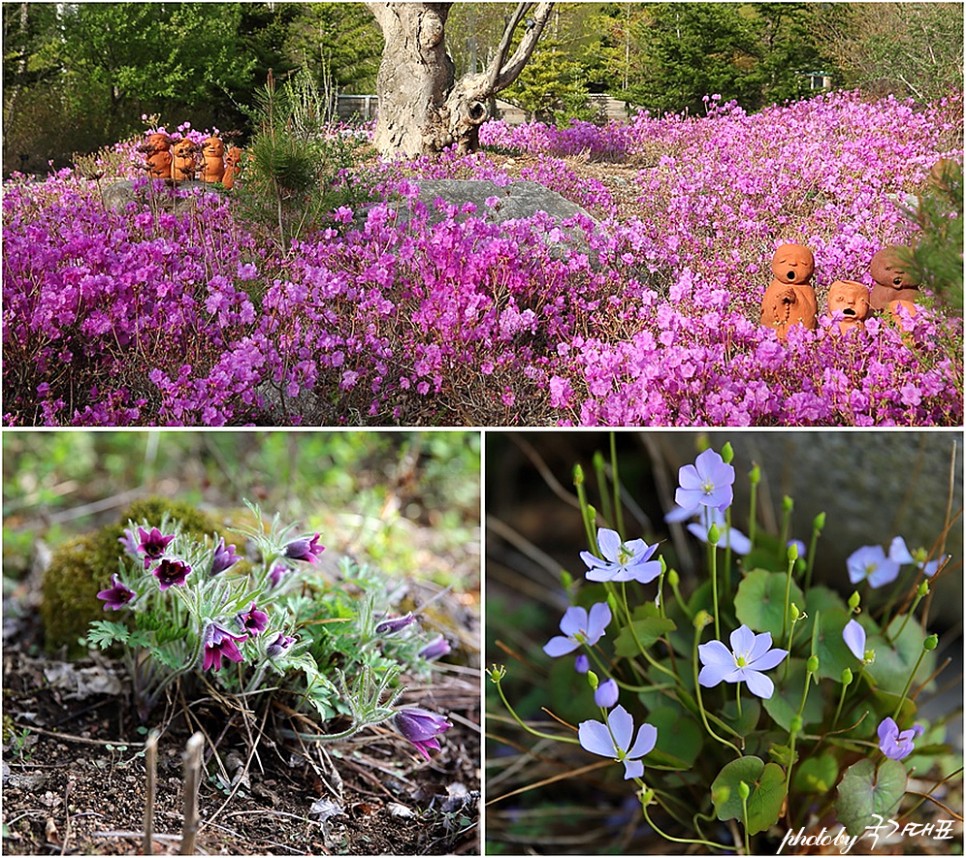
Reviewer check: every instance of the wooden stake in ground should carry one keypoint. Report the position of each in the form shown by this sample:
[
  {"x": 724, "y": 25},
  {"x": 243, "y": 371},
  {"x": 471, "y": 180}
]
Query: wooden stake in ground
[
  {"x": 151, "y": 771},
  {"x": 192, "y": 781}
]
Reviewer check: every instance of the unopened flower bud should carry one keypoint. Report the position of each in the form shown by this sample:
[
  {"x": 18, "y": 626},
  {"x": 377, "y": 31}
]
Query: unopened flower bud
[
  {"x": 578, "y": 475},
  {"x": 923, "y": 589},
  {"x": 566, "y": 579},
  {"x": 744, "y": 790},
  {"x": 754, "y": 475},
  {"x": 930, "y": 643},
  {"x": 846, "y": 677},
  {"x": 818, "y": 523},
  {"x": 592, "y": 680},
  {"x": 854, "y": 600},
  {"x": 390, "y": 627},
  {"x": 793, "y": 612},
  {"x": 581, "y": 663},
  {"x": 673, "y": 578},
  {"x": 788, "y": 504},
  {"x": 793, "y": 551},
  {"x": 812, "y": 664},
  {"x": 714, "y": 534},
  {"x": 606, "y": 694},
  {"x": 796, "y": 725},
  {"x": 701, "y": 619},
  {"x": 727, "y": 453}
]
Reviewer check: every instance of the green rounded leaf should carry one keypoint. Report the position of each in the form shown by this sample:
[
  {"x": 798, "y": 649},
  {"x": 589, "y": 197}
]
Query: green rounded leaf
[
  {"x": 767, "y": 783},
  {"x": 817, "y": 774},
  {"x": 760, "y": 602},
  {"x": 867, "y": 792}
]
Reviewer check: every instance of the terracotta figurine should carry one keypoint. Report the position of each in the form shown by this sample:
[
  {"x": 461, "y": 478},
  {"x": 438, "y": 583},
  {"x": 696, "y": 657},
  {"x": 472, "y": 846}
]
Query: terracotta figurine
[
  {"x": 158, "y": 162},
  {"x": 232, "y": 167},
  {"x": 213, "y": 160},
  {"x": 893, "y": 286},
  {"x": 848, "y": 303},
  {"x": 183, "y": 166},
  {"x": 790, "y": 297}
]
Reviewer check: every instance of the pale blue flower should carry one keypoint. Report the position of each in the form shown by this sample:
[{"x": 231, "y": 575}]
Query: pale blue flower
[
  {"x": 854, "y": 636},
  {"x": 579, "y": 627},
  {"x": 707, "y": 482},
  {"x": 750, "y": 654},
  {"x": 896, "y": 745},
  {"x": 622, "y": 561},
  {"x": 606, "y": 694},
  {"x": 613, "y": 740},
  {"x": 870, "y": 563}
]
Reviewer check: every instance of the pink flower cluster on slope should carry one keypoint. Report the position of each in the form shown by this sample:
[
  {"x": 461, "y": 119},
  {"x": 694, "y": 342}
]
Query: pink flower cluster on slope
[{"x": 404, "y": 315}]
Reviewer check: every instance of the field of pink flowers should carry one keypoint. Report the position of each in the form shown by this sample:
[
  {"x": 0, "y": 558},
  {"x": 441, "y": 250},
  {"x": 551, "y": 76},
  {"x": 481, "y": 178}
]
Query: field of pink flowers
[{"x": 152, "y": 317}]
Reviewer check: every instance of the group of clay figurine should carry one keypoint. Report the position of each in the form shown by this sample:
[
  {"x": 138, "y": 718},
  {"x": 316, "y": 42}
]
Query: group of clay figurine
[
  {"x": 185, "y": 160},
  {"x": 790, "y": 297}
]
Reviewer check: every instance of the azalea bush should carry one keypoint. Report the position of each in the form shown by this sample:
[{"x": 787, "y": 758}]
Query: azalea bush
[
  {"x": 758, "y": 705},
  {"x": 258, "y": 624},
  {"x": 402, "y": 311}
]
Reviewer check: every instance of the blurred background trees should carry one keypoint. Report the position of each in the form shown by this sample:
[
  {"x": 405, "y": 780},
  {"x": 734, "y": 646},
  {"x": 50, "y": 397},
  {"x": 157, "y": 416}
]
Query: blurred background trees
[{"x": 80, "y": 76}]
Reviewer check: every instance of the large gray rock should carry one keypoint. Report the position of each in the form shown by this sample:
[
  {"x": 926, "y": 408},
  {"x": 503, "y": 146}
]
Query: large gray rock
[{"x": 117, "y": 195}]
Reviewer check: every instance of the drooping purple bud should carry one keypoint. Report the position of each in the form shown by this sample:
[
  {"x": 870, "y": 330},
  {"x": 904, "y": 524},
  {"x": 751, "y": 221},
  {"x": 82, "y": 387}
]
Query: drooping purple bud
[
  {"x": 307, "y": 550},
  {"x": 436, "y": 648},
  {"x": 220, "y": 643},
  {"x": 390, "y": 627},
  {"x": 223, "y": 558},
  {"x": 281, "y": 643},
  {"x": 117, "y": 595},
  {"x": 421, "y": 728}
]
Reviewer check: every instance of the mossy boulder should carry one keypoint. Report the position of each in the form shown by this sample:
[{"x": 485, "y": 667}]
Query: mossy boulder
[{"x": 83, "y": 566}]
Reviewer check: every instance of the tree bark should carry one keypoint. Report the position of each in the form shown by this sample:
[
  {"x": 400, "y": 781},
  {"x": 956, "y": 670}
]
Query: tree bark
[{"x": 422, "y": 108}]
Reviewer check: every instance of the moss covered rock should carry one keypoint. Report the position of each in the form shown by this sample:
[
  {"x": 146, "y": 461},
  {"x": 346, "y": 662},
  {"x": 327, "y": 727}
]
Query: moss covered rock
[{"x": 83, "y": 566}]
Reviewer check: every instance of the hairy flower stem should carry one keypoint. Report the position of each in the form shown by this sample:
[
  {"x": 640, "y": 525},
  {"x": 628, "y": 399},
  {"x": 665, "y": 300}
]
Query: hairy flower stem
[
  {"x": 615, "y": 478},
  {"x": 697, "y": 692}
]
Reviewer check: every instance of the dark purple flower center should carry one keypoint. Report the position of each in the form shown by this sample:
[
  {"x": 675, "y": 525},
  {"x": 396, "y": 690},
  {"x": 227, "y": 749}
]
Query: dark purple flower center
[{"x": 171, "y": 572}]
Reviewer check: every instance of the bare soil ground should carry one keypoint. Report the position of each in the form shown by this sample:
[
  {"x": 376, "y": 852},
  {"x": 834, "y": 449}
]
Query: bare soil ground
[{"x": 74, "y": 772}]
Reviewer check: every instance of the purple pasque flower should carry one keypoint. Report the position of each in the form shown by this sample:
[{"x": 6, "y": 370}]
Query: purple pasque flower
[
  {"x": 622, "y": 561},
  {"x": 253, "y": 620},
  {"x": 220, "y": 643},
  {"x": 117, "y": 595},
  {"x": 870, "y": 563},
  {"x": 171, "y": 572},
  {"x": 397, "y": 624},
  {"x": 421, "y": 728},
  {"x": 279, "y": 571},
  {"x": 436, "y": 648},
  {"x": 896, "y": 745},
  {"x": 279, "y": 645},
  {"x": 223, "y": 558},
  {"x": 707, "y": 482},
  {"x": 306, "y": 549},
  {"x": 579, "y": 627},
  {"x": 854, "y": 636},
  {"x": 606, "y": 694},
  {"x": 749, "y": 655},
  {"x": 613, "y": 739},
  {"x": 152, "y": 544}
]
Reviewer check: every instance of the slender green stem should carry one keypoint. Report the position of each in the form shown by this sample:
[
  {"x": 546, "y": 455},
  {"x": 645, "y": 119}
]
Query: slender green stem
[
  {"x": 615, "y": 477},
  {"x": 586, "y": 510},
  {"x": 527, "y": 727},
  {"x": 905, "y": 691},
  {"x": 812, "y": 545},
  {"x": 660, "y": 588},
  {"x": 697, "y": 692},
  {"x": 753, "y": 477},
  {"x": 744, "y": 810},
  {"x": 622, "y": 601},
  {"x": 673, "y": 579},
  {"x": 669, "y": 837},
  {"x": 605, "y": 670},
  {"x": 791, "y": 765},
  {"x": 714, "y": 589},
  {"x": 738, "y": 698},
  {"x": 787, "y": 507},
  {"x": 788, "y": 593},
  {"x": 727, "y": 561},
  {"x": 605, "y": 505},
  {"x": 838, "y": 709},
  {"x": 912, "y": 610}
]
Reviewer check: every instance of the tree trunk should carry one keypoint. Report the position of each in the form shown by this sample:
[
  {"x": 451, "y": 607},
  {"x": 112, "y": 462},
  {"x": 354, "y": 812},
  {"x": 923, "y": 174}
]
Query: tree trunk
[{"x": 422, "y": 109}]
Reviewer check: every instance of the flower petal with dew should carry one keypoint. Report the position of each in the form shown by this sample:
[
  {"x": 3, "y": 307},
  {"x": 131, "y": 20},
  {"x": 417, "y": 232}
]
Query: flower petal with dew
[
  {"x": 223, "y": 558},
  {"x": 870, "y": 563},
  {"x": 707, "y": 482},
  {"x": 220, "y": 643},
  {"x": 622, "y": 561},
  {"x": 896, "y": 745},
  {"x": 253, "y": 620},
  {"x": 854, "y": 636},
  {"x": 117, "y": 595},
  {"x": 579, "y": 627},
  {"x": 171, "y": 573},
  {"x": 606, "y": 694},
  {"x": 153, "y": 544},
  {"x": 749, "y": 655},
  {"x": 421, "y": 728},
  {"x": 613, "y": 739},
  {"x": 305, "y": 549}
]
